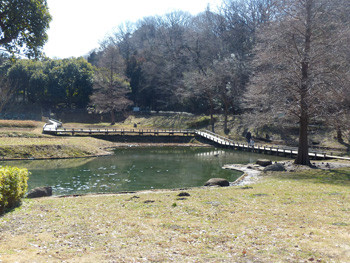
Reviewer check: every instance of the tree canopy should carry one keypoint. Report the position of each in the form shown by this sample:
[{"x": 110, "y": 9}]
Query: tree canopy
[
  {"x": 52, "y": 84},
  {"x": 110, "y": 85},
  {"x": 23, "y": 25}
]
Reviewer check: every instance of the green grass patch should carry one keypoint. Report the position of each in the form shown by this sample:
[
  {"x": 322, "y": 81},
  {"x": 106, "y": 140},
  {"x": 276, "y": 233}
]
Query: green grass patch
[{"x": 339, "y": 177}]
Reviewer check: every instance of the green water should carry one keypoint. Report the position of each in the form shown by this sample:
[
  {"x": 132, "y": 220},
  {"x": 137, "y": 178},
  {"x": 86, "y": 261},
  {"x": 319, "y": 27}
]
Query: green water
[{"x": 135, "y": 169}]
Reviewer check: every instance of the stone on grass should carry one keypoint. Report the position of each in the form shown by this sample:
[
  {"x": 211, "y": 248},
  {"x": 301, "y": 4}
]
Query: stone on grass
[
  {"x": 40, "y": 192},
  {"x": 276, "y": 167},
  {"x": 264, "y": 162},
  {"x": 217, "y": 182},
  {"x": 183, "y": 194}
]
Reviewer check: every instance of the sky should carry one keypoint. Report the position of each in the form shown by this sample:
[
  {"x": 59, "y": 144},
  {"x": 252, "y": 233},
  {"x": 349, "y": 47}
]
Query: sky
[{"x": 78, "y": 26}]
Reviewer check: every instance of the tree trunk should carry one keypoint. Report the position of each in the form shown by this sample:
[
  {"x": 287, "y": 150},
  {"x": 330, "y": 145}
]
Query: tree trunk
[
  {"x": 112, "y": 117},
  {"x": 339, "y": 134},
  {"x": 226, "y": 130},
  {"x": 303, "y": 148},
  {"x": 212, "y": 121},
  {"x": 212, "y": 116}
]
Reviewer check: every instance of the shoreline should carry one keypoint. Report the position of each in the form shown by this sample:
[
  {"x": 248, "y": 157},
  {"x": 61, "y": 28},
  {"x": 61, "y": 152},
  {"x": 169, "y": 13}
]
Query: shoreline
[
  {"x": 249, "y": 176},
  {"x": 251, "y": 172}
]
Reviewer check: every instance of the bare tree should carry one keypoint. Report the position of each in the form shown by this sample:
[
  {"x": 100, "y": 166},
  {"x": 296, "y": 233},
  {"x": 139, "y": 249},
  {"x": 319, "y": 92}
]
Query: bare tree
[
  {"x": 220, "y": 85},
  {"x": 229, "y": 78},
  {"x": 298, "y": 64},
  {"x": 110, "y": 87},
  {"x": 241, "y": 20},
  {"x": 199, "y": 84}
]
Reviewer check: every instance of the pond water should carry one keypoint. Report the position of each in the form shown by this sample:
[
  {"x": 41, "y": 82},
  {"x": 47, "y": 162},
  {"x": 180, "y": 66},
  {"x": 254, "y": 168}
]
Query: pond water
[{"x": 132, "y": 169}]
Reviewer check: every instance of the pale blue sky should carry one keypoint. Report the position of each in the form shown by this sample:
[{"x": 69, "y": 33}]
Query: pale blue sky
[{"x": 79, "y": 25}]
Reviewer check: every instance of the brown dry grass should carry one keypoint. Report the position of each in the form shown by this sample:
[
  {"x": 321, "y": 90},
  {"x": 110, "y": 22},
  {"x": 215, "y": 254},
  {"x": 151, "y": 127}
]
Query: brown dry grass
[
  {"x": 286, "y": 217},
  {"x": 19, "y": 124},
  {"x": 24, "y": 139},
  {"x": 52, "y": 147}
]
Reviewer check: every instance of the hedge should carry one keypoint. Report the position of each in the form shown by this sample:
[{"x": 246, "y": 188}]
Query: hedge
[{"x": 13, "y": 186}]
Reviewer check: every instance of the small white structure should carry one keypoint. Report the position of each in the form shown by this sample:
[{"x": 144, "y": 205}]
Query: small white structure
[{"x": 53, "y": 125}]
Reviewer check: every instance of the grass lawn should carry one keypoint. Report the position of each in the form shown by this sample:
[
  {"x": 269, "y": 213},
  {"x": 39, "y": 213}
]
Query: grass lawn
[
  {"x": 284, "y": 217},
  {"x": 24, "y": 139}
]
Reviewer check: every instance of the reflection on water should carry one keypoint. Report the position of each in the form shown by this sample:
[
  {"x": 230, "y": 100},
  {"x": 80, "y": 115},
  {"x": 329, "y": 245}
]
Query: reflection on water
[{"x": 135, "y": 169}]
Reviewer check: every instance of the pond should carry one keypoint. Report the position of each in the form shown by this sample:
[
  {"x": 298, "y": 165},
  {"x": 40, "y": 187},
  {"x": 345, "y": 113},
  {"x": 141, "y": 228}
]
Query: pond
[{"x": 133, "y": 169}]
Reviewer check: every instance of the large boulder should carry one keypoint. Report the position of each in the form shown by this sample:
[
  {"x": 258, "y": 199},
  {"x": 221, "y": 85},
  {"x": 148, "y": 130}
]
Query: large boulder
[
  {"x": 40, "y": 192},
  {"x": 276, "y": 167},
  {"x": 264, "y": 162},
  {"x": 217, "y": 182}
]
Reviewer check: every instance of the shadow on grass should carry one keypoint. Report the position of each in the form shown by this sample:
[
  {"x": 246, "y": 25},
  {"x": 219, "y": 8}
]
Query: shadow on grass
[
  {"x": 347, "y": 145},
  {"x": 9, "y": 209},
  {"x": 339, "y": 176}
]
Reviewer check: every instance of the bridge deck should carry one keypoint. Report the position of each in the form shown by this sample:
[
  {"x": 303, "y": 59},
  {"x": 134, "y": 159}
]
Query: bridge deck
[
  {"x": 280, "y": 151},
  {"x": 152, "y": 132}
]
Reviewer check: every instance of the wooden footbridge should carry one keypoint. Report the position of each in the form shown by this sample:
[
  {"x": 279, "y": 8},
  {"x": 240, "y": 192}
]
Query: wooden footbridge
[
  {"x": 271, "y": 150},
  {"x": 55, "y": 128},
  {"x": 140, "y": 132}
]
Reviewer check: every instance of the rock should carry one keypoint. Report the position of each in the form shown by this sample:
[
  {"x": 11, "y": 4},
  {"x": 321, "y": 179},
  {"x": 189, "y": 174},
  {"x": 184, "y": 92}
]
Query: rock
[
  {"x": 276, "y": 167},
  {"x": 40, "y": 192},
  {"x": 183, "y": 194},
  {"x": 264, "y": 162},
  {"x": 217, "y": 182}
]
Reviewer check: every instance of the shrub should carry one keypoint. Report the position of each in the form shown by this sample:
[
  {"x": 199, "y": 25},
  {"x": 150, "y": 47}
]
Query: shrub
[{"x": 13, "y": 186}]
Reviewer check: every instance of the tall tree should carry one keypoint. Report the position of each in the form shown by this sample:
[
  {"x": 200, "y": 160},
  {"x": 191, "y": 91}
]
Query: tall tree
[
  {"x": 242, "y": 18},
  {"x": 5, "y": 90},
  {"x": 229, "y": 76},
  {"x": 23, "y": 25},
  {"x": 297, "y": 63},
  {"x": 165, "y": 59},
  {"x": 204, "y": 39},
  {"x": 19, "y": 75},
  {"x": 200, "y": 84},
  {"x": 110, "y": 86},
  {"x": 76, "y": 79}
]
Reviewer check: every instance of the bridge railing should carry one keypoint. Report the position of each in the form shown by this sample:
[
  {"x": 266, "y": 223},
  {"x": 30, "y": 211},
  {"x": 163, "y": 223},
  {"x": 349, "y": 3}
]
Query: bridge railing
[
  {"x": 215, "y": 137},
  {"x": 259, "y": 148},
  {"x": 55, "y": 130},
  {"x": 204, "y": 133}
]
